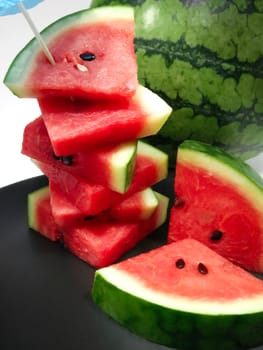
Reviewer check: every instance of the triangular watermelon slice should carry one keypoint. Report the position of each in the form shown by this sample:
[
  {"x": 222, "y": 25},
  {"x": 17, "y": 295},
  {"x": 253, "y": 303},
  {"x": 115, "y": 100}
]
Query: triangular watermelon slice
[
  {"x": 87, "y": 63},
  {"x": 151, "y": 167},
  {"x": 78, "y": 126},
  {"x": 99, "y": 241},
  {"x": 183, "y": 295},
  {"x": 110, "y": 166},
  {"x": 218, "y": 201}
]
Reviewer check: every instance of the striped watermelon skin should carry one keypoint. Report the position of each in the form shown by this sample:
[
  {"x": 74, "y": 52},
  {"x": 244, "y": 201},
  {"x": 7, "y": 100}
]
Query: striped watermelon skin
[{"x": 210, "y": 55}]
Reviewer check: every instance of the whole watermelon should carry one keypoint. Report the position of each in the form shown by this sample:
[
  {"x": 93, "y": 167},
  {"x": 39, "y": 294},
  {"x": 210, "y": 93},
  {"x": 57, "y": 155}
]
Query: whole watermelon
[{"x": 205, "y": 58}]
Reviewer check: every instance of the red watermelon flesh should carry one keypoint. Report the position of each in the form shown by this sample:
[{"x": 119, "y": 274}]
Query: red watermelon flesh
[
  {"x": 208, "y": 210},
  {"x": 108, "y": 35},
  {"x": 102, "y": 243},
  {"x": 90, "y": 198},
  {"x": 93, "y": 165},
  {"x": 97, "y": 242},
  {"x": 80, "y": 125},
  {"x": 66, "y": 214},
  {"x": 186, "y": 264}
]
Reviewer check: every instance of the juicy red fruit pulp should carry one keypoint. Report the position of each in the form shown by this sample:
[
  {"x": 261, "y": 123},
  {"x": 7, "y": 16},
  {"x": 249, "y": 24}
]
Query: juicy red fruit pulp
[
  {"x": 100, "y": 77},
  {"x": 209, "y": 209}
]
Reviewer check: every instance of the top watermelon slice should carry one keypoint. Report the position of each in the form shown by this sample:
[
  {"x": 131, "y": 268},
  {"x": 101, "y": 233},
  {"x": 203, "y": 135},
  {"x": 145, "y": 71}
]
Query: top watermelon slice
[
  {"x": 219, "y": 201},
  {"x": 74, "y": 40}
]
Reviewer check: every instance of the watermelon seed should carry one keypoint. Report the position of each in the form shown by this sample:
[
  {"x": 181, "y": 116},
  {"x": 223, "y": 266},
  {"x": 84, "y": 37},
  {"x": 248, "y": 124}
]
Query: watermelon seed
[
  {"x": 67, "y": 160},
  {"x": 81, "y": 68},
  {"x": 216, "y": 235},
  {"x": 178, "y": 202},
  {"x": 180, "y": 264},
  {"x": 87, "y": 56},
  {"x": 89, "y": 217},
  {"x": 202, "y": 269}
]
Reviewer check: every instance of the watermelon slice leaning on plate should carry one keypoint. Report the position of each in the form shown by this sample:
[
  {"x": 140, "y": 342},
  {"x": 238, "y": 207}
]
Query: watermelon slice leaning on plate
[
  {"x": 183, "y": 295},
  {"x": 218, "y": 201}
]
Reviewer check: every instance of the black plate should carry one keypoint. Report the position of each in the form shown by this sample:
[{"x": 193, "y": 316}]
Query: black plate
[{"x": 45, "y": 298}]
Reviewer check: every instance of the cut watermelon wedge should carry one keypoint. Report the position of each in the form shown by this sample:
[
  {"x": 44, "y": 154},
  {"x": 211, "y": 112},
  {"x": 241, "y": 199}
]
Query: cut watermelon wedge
[
  {"x": 87, "y": 63},
  {"x": 102, "y": 243},
  {"x": 219, "y": 201},
  {"x": 40, "y": 216},
  {"x": 78, "y": 126},
  {"x": 99, "y": 241},
  {"x": 111, "y": 166},
  {"x": 151, "y": 167},
  {"x": 183, "y": 295},
  {"x": 139, "y": 206}
]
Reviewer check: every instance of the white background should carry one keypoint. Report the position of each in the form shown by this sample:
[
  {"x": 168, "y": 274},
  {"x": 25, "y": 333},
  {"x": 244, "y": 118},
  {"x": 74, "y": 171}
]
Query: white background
[{"x": 15, "y": 113}]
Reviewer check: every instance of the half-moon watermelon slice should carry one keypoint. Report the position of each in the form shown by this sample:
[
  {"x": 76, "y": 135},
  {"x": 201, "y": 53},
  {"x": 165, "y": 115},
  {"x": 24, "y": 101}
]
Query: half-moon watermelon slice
[
  {"x": 78, "y": 126},
  {"x": 218, "y": 201},
  {"x": 183, "y": 295},
  {"x": 94, "y": 57}
]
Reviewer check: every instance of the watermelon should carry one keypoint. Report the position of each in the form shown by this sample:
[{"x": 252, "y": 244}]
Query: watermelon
[
  {"x": 138, "y": 206},
  {"x": 91, "y": 199},
  {"x": 218, "y": 201},
  {"x": 87, "y": 64},
  {"x": 205, "y": 58},
  {"x": 111, "y": 166},
  {"x": 183, "y": 295},
  {"x": 80, "y": 125},
  {"x": 40, "y": 216},
  {"x": 99, "y": 241}
]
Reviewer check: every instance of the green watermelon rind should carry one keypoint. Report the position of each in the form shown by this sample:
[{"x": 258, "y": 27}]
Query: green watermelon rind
[
  {"x": 32, "y": 199},
  {"x": 17, "y": 72},
  {"x": 179, "y": 328},
  {"x": 122, "y": 165},
  {"x": 160, "y": 158},
  {"x": 222, "y": 164}
]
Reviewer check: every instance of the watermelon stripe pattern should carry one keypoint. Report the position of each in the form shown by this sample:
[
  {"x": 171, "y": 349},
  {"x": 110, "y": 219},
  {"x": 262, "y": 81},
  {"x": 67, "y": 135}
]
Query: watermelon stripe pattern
[
  {"x": 99, "y": 202},
  {"x": 205, "y": 58}
]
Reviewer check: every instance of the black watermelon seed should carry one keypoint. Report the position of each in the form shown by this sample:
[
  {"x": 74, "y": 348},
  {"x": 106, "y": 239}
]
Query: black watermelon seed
[
  {"x": 178, "y": 202},
  {"x": 180, "y": 264},
  {"x": 89, "y": 217},
  {"x": 87, "y": 56},
  {"x": 67, "y": 160},
  {"x": 216, "y": 235},
  {"x": 202, "y": 269}
]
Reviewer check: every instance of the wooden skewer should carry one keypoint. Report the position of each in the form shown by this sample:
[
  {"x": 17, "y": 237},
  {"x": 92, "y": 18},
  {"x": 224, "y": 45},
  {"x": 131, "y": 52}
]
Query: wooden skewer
[{"x": 36, "y": 32}]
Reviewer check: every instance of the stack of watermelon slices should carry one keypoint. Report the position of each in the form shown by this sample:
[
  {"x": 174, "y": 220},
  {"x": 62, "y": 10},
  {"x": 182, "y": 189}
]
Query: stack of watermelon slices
[{"x": 88, "y": 142}]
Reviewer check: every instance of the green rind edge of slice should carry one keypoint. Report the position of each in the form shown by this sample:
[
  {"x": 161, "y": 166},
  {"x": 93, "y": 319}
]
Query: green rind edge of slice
[
  {"x": 219, "y": 155},
  {"x": 175, "y": 328}
]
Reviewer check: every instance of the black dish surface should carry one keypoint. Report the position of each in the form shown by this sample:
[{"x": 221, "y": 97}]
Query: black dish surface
[{"x": 45, "y": 300}]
